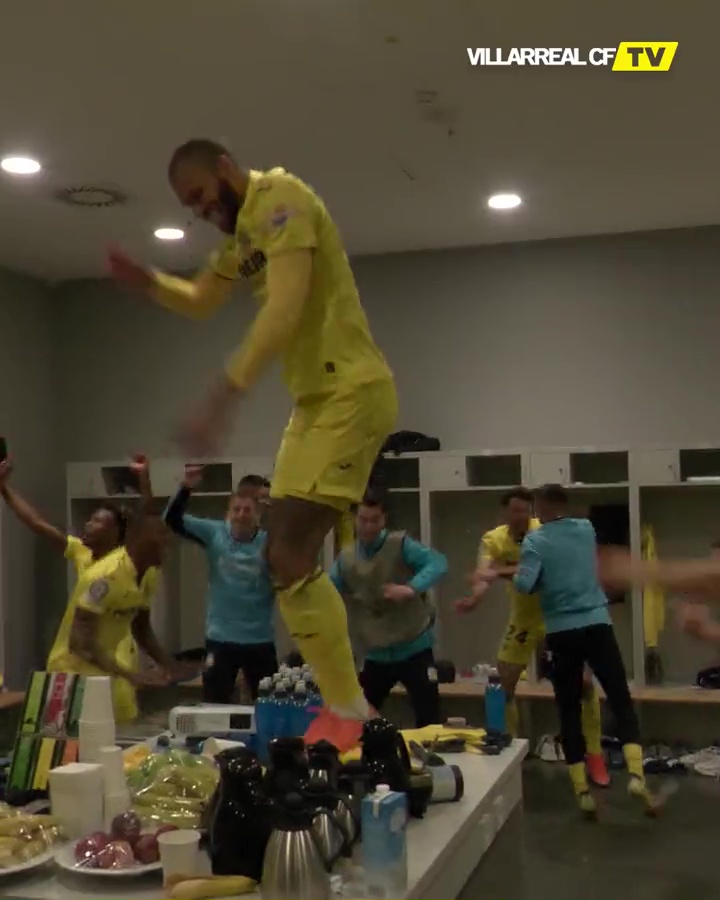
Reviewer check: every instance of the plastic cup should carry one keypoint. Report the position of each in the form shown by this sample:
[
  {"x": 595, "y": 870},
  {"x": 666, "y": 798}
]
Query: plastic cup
[
  {"x": 97, "y": 705},
  {"x": 112, "y": 761},
  {"x": 179, "y": 853}
]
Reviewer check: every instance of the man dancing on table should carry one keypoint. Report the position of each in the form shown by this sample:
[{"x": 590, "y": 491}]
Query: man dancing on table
[
  {"x": 498, "y": 557},
  {"x": 283, "y": 242},
  {"x": 559, "y": 562}
]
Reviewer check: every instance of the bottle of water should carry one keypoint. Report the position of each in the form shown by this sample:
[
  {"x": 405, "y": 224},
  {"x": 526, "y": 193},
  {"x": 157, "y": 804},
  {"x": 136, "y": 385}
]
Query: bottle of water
[
  {"x": 494, "y": 703},
  {"x": 282, "y": 712},
  {"x": 314, "y": 701},
  {"x": 300, "y": 717},
  {"x": 264, "y": 715}
]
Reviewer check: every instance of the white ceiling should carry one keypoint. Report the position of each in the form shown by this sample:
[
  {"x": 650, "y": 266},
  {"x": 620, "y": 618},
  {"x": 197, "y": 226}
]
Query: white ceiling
[{"x": 101, "y": 92}]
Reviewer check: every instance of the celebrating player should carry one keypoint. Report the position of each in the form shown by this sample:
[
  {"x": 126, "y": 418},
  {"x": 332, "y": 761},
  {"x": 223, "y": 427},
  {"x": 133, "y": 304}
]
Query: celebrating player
[{"x": 283, "y": 242}]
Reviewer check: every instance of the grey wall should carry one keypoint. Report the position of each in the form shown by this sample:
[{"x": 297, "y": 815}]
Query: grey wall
[
  {"x": 592, "y": 342},
  {"x": 32, "y": 576}
]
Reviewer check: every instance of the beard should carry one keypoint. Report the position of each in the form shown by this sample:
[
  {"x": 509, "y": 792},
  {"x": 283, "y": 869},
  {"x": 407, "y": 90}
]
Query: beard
[{"x": 230, "y": 204}]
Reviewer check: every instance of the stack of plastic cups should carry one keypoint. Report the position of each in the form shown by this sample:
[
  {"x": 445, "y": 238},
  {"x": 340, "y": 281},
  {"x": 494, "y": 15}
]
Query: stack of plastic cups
[
  {"x": 116, "y": 793},
  {"x": 97, "y": 722}
]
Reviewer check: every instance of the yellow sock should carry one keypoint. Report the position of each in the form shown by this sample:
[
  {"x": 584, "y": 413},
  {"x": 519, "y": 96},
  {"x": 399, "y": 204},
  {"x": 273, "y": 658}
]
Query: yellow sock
[
  {"x": 315, "y": 616},
  {"x": 633, "y": 760},
  {"x": 512, "y": 717},
  {"x": 578, "y": 778},
  {"x": 591, "y": 722}
]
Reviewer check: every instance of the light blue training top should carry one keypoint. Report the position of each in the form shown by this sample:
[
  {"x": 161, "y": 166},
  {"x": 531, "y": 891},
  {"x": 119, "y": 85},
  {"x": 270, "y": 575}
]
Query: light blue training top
[
  {"x": 559, "y": 561},
  {"x": 240, "y": 594}
]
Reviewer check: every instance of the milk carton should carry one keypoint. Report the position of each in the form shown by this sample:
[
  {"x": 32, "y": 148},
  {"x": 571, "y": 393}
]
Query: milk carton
[{"x": 384, "y": 844}]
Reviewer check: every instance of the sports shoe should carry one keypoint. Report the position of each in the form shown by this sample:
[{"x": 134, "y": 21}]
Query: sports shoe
[
  {"x": 638, "y": 789},
  {"x": 329, "y": 726},
  {"x": 587, "y": 804},
  {"x": 547, "y": 749},
  {"x": 597, "y": 770}
]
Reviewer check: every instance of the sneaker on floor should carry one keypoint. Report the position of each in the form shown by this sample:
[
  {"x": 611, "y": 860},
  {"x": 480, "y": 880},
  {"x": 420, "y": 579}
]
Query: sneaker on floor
[
  {"x": 587, "y": 804},
  {"x": 597, "y": 770},
  {"x": 638, "y": 790},
  {"x": 546, "y": 749},
  {"x": 329, "y": 726}
]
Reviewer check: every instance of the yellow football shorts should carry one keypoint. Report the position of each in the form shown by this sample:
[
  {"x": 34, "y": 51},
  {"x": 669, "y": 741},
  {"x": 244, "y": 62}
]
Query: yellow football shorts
[
  {"x": 330, "y": 446},
  {"x": 524, "y": 633}
]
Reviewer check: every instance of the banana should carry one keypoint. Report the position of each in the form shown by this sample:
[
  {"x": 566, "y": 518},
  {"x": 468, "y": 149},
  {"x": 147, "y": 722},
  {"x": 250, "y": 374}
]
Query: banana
[
  {"x": 217, "y": 886},
  {"x": 24, "y": 824}
]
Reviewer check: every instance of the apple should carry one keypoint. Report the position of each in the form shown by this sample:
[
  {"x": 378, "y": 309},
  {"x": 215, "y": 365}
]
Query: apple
[
  {"x": 146, "y": 849},
  {"x": 89, "y": 847},
  {"x": 116, "y": 855},
  {"x": 126, "y": 827}
]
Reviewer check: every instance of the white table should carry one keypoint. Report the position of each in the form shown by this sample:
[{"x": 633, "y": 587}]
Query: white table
[{"x": 444, "y": 848}]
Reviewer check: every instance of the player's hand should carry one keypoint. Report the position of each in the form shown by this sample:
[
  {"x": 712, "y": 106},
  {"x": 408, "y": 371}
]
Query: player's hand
[
  {"x": 181, "y": 671},
  {"x": 124, "y": 270},
  {"x": 694, "y": 619},
  {"x": 193, "y": 476},
  {"x": 465, "y": 605},
  {"x": 6, "y": 468},
  {"x": 140, "y": 464},
  {"x": 151, "y": 678},
  {"x": 398, "y": 592},
  {"x": 202, "y": 431}
]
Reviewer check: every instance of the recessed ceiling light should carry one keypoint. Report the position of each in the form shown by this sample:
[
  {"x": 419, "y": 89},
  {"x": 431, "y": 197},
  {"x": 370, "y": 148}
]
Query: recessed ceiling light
[
  {"x": 169, "y": 234},
  {"x": 20, "y": 165},
  {"x": 504, "y": 201}
]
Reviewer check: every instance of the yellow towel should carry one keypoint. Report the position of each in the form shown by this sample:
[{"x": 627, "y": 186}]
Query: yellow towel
[
  {"x": 653, "y": 597},
  {"x": 429, "y": 734}
]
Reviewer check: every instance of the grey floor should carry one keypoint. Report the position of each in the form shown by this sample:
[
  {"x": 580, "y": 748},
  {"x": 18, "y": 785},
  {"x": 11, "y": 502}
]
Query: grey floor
[{"x": 622, "y": 856}]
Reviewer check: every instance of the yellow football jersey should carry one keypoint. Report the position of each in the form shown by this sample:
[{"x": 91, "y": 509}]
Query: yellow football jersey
[
  {"x": 332, "y": 350},
  {"x": 108, "y": 588},
  {"x": 81, "y": 557},
  {"x": 498, "y": 545}
]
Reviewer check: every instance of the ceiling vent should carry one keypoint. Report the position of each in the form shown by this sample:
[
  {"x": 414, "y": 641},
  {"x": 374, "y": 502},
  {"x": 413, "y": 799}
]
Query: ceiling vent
[{"x": 91, "y": 197}]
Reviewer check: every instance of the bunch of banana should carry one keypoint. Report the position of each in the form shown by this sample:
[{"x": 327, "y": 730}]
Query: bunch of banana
[
  {"x": 23, "y": 837},
  {"x": 213, "y": 886}
]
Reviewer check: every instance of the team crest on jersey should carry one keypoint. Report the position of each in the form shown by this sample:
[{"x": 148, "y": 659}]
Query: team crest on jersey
[
  {"x": 279, "y": 216},
  {"x": 98, "y": 591}
]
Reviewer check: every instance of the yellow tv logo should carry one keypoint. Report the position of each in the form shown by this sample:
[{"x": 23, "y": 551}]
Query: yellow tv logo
[{"x": 644, "y": 56}]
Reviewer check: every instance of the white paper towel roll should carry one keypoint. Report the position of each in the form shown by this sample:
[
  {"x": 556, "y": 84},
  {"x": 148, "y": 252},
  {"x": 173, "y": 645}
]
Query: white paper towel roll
[{"x": 76, "y": 798}]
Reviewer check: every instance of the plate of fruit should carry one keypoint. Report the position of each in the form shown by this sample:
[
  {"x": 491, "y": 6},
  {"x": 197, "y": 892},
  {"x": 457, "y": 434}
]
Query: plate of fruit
[
  {"x": 26, "y": 841},
  {"x": 125, "y": 851}
]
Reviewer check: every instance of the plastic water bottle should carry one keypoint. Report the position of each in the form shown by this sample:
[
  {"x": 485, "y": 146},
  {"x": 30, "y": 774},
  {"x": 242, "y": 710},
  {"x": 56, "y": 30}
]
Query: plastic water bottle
[
  {"x": 282, "y": 712},
  {"x": 300, "y": 718},
  {"x": 314, "y": 701},
  {"x": 494, "y": 703},
  {"x": 264, "y": 715}
]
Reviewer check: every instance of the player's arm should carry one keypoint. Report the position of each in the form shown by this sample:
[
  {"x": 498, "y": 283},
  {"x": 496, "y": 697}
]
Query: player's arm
[
  {"x": 141, "y": 467},
  {"x": 529, "y": 570},
  {"x": 197, "y": 298},
  {"x": 428, "y": 565},
  {"x": 26, "y": 513},
  {"x": 147, "y": 640},
  {"x": 482, "y": 577},
  {"x": 287, "y": 235}
]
